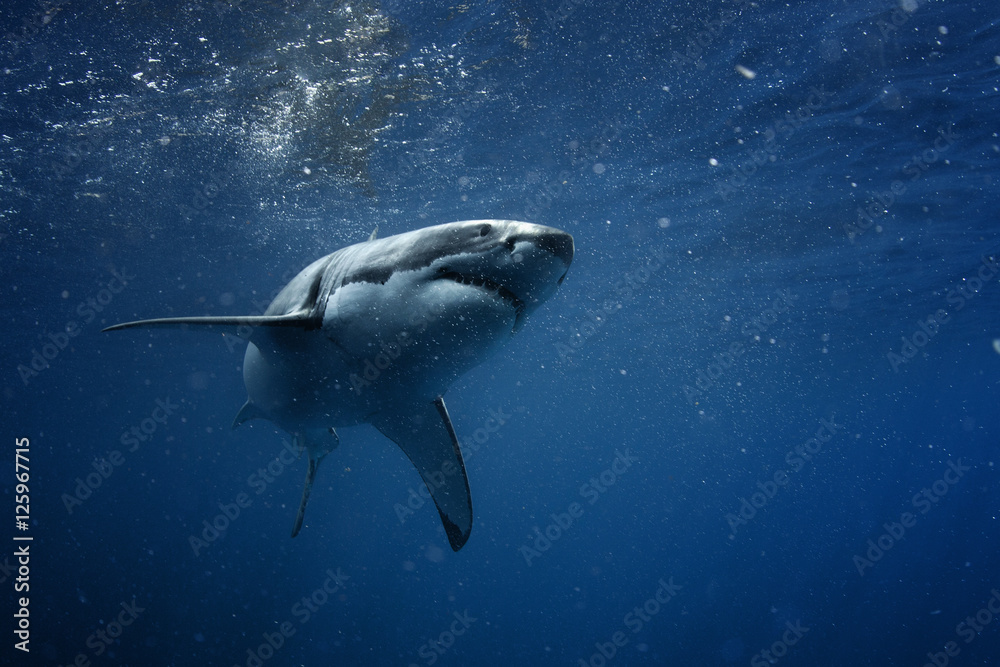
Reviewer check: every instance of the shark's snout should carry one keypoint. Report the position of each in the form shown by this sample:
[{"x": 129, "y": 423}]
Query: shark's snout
[
  {"x": 559, "y": 243},
  {"x": 552, "y": 240}
]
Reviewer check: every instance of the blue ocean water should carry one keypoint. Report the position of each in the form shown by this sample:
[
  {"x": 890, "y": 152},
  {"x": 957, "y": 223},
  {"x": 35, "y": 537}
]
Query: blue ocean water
[{"x": 756, "y": 425}]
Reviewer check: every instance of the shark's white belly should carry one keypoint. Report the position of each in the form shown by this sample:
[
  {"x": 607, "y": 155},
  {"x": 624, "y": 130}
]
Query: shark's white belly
[{"x": 370, "y": 355}]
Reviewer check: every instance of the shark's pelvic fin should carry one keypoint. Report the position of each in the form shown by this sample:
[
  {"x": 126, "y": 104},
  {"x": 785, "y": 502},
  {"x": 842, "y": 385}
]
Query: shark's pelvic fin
[
  {"x": 306, "y": 490},
  {"x": 247, "y": 412},
  {"x": 425, "y": 434},
  {"x": 318, "y": 446},
  {"x": 241, "y": 325}
]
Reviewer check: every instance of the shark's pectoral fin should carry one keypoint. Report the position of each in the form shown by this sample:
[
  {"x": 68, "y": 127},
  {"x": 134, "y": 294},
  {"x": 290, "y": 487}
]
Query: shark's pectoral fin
[
  {"x": 425, "y": 434},
  {"x": 318, "y": 446},
  {"x": 238, "y": 326},
  {"x": 247, "y": 412}
]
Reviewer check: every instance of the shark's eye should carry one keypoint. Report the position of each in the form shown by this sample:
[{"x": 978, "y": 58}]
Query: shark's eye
[{"x": 485, "y": 229}]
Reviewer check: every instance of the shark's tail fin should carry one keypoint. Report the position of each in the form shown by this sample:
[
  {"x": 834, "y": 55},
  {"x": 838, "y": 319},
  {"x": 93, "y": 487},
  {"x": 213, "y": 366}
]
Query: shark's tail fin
[{"x": 317, "y": 448}]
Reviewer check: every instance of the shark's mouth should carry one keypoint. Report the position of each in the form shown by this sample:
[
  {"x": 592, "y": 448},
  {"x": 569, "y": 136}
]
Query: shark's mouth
[{"x": 488, "y": 285}]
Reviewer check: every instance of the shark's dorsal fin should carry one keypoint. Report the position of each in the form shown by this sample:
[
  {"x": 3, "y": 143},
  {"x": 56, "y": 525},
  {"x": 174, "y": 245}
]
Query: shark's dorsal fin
[
  {"x": 240, "y": 325},
  {"x": 317, "y": 445},
  {"x": 374, "y": 234},
  {"x": 247, "y": 412},
  {"x": 424, "y": 432}
]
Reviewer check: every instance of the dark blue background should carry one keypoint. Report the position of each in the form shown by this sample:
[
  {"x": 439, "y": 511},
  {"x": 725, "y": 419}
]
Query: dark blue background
[{"x": 171, "y": 142}]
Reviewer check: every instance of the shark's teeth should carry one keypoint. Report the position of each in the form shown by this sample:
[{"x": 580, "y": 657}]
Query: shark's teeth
[{"x": 488, "y": 285}]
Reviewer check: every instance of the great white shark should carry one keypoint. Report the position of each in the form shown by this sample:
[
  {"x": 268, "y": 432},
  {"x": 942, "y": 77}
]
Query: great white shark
[{"x": 376, "y": 333}]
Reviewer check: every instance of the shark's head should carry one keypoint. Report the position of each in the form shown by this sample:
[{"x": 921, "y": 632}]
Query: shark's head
[
  {"x": 509, "y": 265},
  {"x": 518, "y": 264},
  {"x": 457, "y": 291}
]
